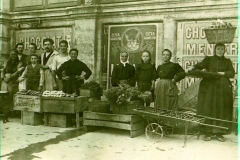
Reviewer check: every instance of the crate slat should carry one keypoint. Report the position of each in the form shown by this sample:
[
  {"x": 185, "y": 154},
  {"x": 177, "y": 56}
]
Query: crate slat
[
  {"x": 57, "y": 98},
  {"x": 110, "y": 117},
  {"x": 107, "y": 124},
  {"x": 132, "y": 123}
]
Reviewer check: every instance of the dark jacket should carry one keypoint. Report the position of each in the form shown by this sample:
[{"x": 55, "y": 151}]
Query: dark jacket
[{"x": 123, "y": 73}]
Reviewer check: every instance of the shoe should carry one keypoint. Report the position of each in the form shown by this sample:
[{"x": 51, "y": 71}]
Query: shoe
[
  {"x": 207, "y": 138},
  {"x": 220, "y": 138}
]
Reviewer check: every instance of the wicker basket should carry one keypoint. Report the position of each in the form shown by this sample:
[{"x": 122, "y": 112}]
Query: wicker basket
[
  {"x": 99, "y": 106},
  {"x": 126, "y": 108},
  {"x": 215, "y": 36}
]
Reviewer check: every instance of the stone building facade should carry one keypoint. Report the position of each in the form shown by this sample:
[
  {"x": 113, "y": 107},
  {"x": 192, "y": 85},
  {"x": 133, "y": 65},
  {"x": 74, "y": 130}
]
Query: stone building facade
[{"x": 100, "y": 29}]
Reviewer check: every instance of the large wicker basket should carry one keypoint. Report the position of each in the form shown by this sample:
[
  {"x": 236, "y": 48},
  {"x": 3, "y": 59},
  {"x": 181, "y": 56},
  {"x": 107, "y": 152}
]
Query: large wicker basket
[
  {"x": 125, "y": 108},
  {"x": 215, "y": 36},
  {"x": 99, "y": 106}
]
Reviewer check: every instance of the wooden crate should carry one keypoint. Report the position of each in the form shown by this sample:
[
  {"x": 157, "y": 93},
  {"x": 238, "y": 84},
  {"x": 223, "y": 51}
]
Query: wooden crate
[
  {"x": 87, "y": 93},
  {"x": 64, "y": 104},
  {"x": 133, "y": 123},
  {"x": 27, "y": 103},
  {"x": 59, "y": 120},
  {"x": 31, "y": 118}
]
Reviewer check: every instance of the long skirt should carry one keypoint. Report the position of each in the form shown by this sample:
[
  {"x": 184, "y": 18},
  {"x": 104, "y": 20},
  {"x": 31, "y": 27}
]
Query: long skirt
[
  {"x": 72, "y": 85},
  {"x": 166, "y": 95},
  {"x": 215, "y": 99}
]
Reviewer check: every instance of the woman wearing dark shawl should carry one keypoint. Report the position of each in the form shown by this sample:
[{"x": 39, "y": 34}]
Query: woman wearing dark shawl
[
  {"x": 123, "y": 73},
  {"x": 215, "y": 96}
]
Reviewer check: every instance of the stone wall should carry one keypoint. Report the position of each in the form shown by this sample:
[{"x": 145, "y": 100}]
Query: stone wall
[{"x": 87, "y": 22}]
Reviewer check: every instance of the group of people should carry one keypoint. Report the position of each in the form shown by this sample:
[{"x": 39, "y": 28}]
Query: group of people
[
  {"x": 49, "y": 71},
  {"x": 145, "y": 75},
  {"x": 63, "y": 71},
  {"x": 215, "y": 97}
]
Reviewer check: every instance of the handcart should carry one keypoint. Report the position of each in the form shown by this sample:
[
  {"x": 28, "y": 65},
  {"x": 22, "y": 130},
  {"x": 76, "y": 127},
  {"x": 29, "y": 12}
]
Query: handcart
[{"x": 172, "y": 119}]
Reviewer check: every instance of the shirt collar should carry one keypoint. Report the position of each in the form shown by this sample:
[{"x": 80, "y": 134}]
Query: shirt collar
[{"x": 33, "y": 65}]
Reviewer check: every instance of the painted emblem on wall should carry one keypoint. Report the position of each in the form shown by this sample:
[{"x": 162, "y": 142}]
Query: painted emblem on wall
[{"x": 132, "y": 39}]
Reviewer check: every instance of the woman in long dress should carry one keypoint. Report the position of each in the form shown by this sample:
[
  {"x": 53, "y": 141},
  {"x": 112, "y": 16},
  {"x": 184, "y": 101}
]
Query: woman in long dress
[
  {"x": 166, "y": 92},
  {"x": 215, "y": 96}
]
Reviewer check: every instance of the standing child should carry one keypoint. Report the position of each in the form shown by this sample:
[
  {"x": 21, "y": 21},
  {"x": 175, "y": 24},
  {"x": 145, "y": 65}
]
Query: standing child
[
  {"x": 33, "y": 74},
  {"x": 145, "y": 74}
]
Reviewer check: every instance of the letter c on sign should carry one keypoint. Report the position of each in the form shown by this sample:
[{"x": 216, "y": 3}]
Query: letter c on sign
[{"x": 188, "y": 32}]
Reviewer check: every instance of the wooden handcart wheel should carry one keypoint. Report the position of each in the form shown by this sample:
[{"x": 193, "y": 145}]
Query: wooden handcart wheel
[{"x": 154, "y": 132}]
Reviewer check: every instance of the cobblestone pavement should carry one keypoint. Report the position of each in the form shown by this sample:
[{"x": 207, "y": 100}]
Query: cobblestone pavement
[{"x": 25, "y": 142}]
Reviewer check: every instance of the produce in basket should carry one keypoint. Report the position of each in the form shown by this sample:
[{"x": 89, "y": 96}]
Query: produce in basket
[
  {"x": 29, "y": 92},
  {"x": 146, "y": 96},
  {"x": 220, "y": 32},
  {"x": 121, "y": 94},
  {"x": 95, "y": 87},
  {"x": 220, "y": 24},
  {"x": 53, "y": 94}
]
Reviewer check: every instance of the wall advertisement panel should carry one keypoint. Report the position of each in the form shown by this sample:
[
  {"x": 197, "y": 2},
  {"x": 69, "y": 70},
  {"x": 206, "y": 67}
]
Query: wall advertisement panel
[
  {"x": 38, "y": 35},
  {"x": 192, "y": 47},
  {"x": 132, "y": 38}
]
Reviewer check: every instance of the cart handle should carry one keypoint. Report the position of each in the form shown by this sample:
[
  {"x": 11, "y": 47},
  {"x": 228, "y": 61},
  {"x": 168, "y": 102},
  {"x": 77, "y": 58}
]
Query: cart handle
[
  {"x": 217, "y": 119},
  {"x": 213, "y": 126}
]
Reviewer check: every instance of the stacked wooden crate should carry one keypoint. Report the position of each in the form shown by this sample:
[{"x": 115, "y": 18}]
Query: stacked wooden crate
[
  {"x": 132, "y": 123},
  {"x": 58, "y": 111},
  {"x": 30, "y": 107}
]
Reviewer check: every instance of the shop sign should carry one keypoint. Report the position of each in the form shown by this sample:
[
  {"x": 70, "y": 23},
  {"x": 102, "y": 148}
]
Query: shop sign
[
  {"x": 38, "y": 35},
  {"x": 193, "y": 47}
]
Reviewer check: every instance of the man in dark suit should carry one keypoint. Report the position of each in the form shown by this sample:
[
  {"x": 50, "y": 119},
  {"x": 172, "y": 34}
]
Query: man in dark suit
[
  {"x": 22, "y": 57},
  {"x": 24, "y": 61}
]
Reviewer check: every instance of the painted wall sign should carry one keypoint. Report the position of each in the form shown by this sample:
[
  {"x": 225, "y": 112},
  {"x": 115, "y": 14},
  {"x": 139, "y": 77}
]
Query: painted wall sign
[
  {"x": 38, "y": 35},
  {"x": 132, "y": 38},
  {"x": 193, "y": 47}
]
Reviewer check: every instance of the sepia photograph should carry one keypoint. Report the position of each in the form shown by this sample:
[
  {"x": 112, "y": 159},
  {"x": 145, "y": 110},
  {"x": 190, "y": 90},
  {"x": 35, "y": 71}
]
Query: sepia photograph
[{"x": 119, "y": 79}]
